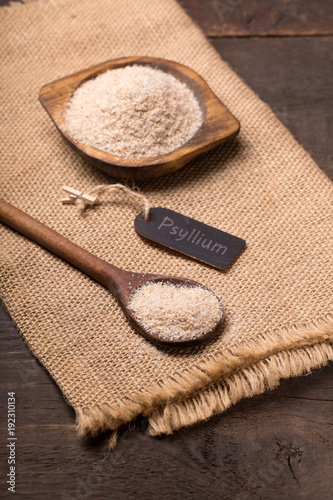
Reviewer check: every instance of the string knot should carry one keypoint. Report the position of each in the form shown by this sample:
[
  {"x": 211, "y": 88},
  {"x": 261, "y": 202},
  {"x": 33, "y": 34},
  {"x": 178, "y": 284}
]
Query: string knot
[{"x": 83, "y": 200}]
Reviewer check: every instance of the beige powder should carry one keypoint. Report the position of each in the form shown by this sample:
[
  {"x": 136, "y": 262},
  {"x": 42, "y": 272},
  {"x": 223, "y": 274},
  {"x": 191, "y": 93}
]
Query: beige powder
[
  {"x": 176, "y": 312},
  {"x": 133, "y": 112}
]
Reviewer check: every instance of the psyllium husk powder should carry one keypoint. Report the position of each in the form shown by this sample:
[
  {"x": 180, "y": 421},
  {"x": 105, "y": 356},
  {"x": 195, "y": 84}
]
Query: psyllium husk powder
[
  {"x": 176, "y": 312},
  {"x": 262, "y": 187},
  {"x": 133, "y": 112}
]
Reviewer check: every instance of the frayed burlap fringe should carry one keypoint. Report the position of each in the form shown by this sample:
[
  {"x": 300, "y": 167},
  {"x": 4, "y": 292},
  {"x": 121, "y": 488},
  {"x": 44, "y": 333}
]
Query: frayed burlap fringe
[
  {"x": 106, "y": 372},
  {"x": 253, "y": 368},
  {"x": 262, "y": 376}
]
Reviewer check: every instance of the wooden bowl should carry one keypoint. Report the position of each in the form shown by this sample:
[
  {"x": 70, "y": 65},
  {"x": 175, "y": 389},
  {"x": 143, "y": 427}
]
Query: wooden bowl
[{"x": 218, "y": 126}]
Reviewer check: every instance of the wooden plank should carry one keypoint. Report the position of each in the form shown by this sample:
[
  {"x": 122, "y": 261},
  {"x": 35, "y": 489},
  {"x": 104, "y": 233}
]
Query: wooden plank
[
  {"x": 8, "y": 2},
  {"x": 278, "y": 445},
  {"x": 294, "y": 77},
  {"x": 227, "y": 18}
]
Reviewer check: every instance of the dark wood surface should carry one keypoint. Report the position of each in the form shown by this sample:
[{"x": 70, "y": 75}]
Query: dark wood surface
[
  {"x": 275, "y": 446},
  {"x": 222, "y": 18}
]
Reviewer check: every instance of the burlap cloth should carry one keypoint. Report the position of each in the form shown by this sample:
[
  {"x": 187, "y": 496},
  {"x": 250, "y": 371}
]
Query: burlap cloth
[{"x": 263, "y": 187}]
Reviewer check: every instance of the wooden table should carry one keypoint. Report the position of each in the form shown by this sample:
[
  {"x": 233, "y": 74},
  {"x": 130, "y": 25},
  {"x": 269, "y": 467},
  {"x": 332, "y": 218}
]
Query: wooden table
[{"x": 275, "y": 446}]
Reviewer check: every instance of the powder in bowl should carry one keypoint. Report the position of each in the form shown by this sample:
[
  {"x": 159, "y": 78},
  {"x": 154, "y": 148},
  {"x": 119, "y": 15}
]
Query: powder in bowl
[
  {"x": 133, "y": 112},
  {"x": 175, "y": 312}
]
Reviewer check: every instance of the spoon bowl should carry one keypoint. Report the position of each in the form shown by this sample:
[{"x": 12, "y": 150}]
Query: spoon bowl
[
  {"x": 120, "y": 282},
  {"x": 137, "y": 280}
]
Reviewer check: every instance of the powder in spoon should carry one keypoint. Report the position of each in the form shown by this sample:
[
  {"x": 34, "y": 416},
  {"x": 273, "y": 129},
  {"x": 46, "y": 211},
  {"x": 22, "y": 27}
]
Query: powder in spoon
[
  {"x": 175, "y": 312},
  {"x": 133, "y": 112}
]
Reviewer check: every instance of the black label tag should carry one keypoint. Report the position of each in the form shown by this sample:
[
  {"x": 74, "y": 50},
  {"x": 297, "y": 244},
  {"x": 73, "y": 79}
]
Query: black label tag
[{"x": 189, "y": 237}]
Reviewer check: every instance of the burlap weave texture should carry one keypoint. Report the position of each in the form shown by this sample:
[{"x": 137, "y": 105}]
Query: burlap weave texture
[{"x": 263, "y": 187}]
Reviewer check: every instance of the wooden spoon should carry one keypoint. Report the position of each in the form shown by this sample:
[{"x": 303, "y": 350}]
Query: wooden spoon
[{"x": 120, "y": 282}]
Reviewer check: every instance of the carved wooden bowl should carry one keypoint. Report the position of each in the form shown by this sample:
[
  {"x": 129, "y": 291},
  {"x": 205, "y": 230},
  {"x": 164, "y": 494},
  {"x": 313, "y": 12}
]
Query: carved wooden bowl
[{"x": 218, "y": 126}]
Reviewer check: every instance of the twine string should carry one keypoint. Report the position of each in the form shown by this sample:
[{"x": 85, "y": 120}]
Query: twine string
[{"x": 138, "y": 198}]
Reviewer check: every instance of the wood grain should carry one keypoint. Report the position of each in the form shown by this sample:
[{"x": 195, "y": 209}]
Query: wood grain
[
  {"x": 278, "y": 445},
  {"x": 275, "y": 446},
  {"x": 293, "y": 76},
  {"x": 228, "y": 18},
  {"x": 218, "y": 126}
]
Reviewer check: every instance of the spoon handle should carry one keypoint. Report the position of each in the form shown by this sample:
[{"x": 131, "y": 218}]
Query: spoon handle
[{"x": 106, "y": 274}]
